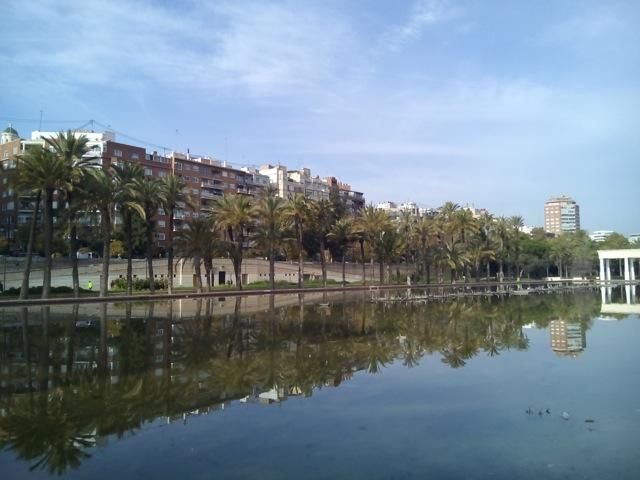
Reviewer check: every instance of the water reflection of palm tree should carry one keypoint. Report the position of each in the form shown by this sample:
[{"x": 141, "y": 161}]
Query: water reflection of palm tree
[
  {"x": 453, "y": 355},
  {"x": 43, "y": 432}
]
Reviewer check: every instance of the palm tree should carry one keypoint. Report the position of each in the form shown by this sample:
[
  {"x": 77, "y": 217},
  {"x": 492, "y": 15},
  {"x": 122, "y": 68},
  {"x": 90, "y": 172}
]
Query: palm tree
[
  {"x": 424, "y": 234},
  {"x": 107, "y": 192},
  {"x": 23, "y": 181},
  {"x": 502, "y": 233},
  {"x": 126, "y": 173},
  {"x": 478, "y": 253},
  {"x": 43, "y": 170},
  {"x": 234, "y": 214},
  {"x": 150, "y": 194},
  {"x": 192, "y": 243},
  {"x": 516, "y": 223},
  {"x": 175, "y": 194},
  {"x": 374, "y": 223},
  {"x": 270, "y": 229},
  {"x": 342, "y": 235},
  {"x": 322, "y": 215},
  {"x": 72, "y": 151},
  {"x": 297, "y": 211}
]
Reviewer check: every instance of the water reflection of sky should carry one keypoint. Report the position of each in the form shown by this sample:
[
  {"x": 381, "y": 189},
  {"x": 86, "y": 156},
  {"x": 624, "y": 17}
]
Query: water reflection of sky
[{"x": 429, "y": 421}]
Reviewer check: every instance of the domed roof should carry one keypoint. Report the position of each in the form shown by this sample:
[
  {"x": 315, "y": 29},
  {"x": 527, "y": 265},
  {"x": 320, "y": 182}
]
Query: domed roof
[{"x": 11, "y": 130}]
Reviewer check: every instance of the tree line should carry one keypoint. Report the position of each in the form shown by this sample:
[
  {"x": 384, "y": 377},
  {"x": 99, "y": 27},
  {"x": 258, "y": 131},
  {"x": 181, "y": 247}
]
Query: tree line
[{"x": 450, "y": 245}]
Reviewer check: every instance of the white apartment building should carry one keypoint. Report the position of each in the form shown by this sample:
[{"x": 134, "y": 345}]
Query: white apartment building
[
  {"x": 289, "y": 183},
  {"x": 600, "y": 235}
]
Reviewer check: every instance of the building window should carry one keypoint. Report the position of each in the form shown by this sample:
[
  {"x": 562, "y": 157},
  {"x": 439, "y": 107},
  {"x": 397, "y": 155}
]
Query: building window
[
  {"x": 162, "y": 173},
  {"x": 117, "y": 153},
  {"x": 148, "y": 172},
  {"x": 135, "y": 156},
  {"x": 162, "y": 223}
]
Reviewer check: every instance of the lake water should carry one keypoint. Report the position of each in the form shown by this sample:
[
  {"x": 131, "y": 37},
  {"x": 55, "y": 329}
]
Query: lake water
[{"x": 313, "y": 387}]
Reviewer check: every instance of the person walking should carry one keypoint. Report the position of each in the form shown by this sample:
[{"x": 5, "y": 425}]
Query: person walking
[{"x": 90, "y": 285}]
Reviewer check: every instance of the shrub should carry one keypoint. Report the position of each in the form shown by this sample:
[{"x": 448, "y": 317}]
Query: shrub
[{"x": 138, "y": 284}]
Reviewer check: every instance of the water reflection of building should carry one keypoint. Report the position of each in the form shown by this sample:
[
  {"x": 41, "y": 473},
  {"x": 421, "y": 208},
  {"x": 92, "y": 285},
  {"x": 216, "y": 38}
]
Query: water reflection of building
[{"x": 567, "y": 339}]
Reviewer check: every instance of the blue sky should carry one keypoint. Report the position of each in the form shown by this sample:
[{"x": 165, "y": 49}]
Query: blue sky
[{"x": 499, "y": 104}]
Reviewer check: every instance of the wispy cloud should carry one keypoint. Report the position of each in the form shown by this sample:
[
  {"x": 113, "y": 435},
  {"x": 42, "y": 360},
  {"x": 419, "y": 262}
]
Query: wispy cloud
[
  {"x": 263, "y": 48},
  {"x": 591, "y": 25},
  {"x": 424, "y": 14}
]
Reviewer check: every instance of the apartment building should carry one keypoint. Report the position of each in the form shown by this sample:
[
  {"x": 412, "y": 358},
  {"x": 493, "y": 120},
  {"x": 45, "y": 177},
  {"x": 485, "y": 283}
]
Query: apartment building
[
  {"x": 561, "y": 215},
  {"x": 206, "y": 178},
  {"x": 289, "y": 183}
]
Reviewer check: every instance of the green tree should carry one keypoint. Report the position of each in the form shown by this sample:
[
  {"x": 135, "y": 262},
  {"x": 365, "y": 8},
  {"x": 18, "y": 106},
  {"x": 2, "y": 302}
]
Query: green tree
[
  {"x": 322, "y": 215},
  {"x": 297, "y": 211},
  {"x": 270, "y": 229},
  {"x": 150, "y": 195},
  {"x": 175, "y": 195},
  {"x": 24, "y": 181},
  {"x": 235, "y": 215},
  {"x": 341, "y": 234},
  {"x": 374, "y": 224},
  {"x": 126, "y": 174},
  {"x": 72, "y": 150},
  {"x": 192, "y": 242}
]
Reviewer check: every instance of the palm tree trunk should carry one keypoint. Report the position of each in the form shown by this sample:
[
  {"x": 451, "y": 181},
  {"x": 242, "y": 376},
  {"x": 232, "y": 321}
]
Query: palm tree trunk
[
  {"x": 207, "y": 273},
  {"x": 237, "y": 266},
  {"x": 381, "y": 267},
  {"x": 106, "y": 244},
  {"x": 152, "y": 286},
  {"x": 344, "y": 278},
  {"x": 488, "y": 270},
  {"x": 128, "y": 233},
  {"x": 170, "y": 251},
  {"x": 73, "y": 252},
  {"x": 364, "y": 271},
  {"x": 24, "y": 289},
  {"x": 197, "y": 274},
  {"x": 48, "y": 240},
  {"x": 300, "y": 265},
  {"x": 323, "y": 263},
  {"x": 272, "y": 268}
]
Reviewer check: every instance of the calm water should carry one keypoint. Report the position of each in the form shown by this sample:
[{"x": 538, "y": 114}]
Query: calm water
[{"x": 291, "y": 388}]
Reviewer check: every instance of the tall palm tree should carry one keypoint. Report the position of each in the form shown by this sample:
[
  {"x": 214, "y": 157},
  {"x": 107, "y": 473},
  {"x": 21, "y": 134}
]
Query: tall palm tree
[
  {"x": 45, "y": 171},
  {"x": 23, "y": 181},
  {"x": 270, "y": 229},
  {"x": 150, "y": 195},
  {"x": 424, "y": 235},
  {"x": 374, "y": 223},
  {"x": 342, "y": 235},
  {"x": 126, "y": 173},
  {"x": 192, "y": 243},
  {"x": 175, "y": 194},
  {"x": 73, "y": 152},
  {"x": 297, "y": 211},
  {"x": 107, "y": 192},
  {"x": 502, "y": 233},
  {"x": 235, "y": 215},
  {"x": 322, "y": 215},
  {"x": 478, "y": 253}
]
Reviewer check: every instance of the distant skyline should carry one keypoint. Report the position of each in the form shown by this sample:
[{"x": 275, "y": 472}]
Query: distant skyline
[{"x": 497, "y": 104}]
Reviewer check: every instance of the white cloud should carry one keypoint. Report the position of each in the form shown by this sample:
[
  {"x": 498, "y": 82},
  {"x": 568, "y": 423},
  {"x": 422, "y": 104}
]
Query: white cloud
[
  {"x": 424, "y": 14},
  {"x": 263, "y": 48},
  {"x": 589, "y": 26}
]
